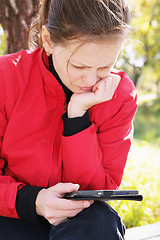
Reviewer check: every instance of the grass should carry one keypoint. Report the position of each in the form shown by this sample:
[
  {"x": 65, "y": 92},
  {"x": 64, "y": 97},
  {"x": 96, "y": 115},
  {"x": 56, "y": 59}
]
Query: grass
[
  {"x": 147, "y": 122},
  {"x": 142, "y": 171}
]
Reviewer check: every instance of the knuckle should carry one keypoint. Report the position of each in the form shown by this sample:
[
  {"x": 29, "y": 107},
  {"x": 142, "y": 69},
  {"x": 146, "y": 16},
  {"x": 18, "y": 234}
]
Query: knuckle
[
  {"x": 74, "y": 213},
  {"x": 53, "y": 222},
  {"x": 59, "y": 184},
  {"x": 80, "y": 206},
  {"x": 48, "y": 204},
  {"x": 48, "y": 215}
]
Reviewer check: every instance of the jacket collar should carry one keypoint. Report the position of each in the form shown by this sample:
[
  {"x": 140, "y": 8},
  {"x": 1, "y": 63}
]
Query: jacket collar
[
  {"x": 50, "y": 82},
  {"x": 45, "y": 58}
]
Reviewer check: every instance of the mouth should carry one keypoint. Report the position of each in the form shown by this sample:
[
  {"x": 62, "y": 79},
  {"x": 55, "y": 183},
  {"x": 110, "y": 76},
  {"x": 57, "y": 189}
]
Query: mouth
[{"x": 86, "y": 89}]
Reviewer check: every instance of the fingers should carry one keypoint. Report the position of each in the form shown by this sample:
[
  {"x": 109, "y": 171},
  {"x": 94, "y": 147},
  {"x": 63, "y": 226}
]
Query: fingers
[
  {"x": 66, "y": 209},
  {"x": 60, "y": 209},
  {"x": 51, "y": 205},
  {"x": 61, "y": 217},
  {"x": 115, "y": 80},
  {"x": 112, "y": 81},
  {"x": 105, "y": 88},
  {"x": 59, "y": 213},
  {"x": 69, "y": 205},
  {"x": 102, "y": 91},
  {"x": 57, "y": 192},
  {"x": 63, "y": 188},
  {"x": 57, "y": 221}
]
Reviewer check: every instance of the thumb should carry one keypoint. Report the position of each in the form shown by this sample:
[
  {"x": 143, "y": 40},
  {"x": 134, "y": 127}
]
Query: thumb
[{"x": 62, "y": 188}]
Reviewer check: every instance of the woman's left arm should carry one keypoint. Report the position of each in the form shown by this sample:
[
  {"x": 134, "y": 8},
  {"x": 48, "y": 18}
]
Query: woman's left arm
[{"x": 95, "y": 158}]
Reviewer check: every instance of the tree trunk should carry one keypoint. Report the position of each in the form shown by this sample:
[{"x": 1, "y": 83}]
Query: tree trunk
[{"x": 15, "y": 18}]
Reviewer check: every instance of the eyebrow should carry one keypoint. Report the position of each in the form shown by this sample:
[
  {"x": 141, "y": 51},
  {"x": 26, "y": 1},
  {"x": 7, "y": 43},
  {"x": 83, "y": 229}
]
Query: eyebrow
[{"x": 83, "y": 65}]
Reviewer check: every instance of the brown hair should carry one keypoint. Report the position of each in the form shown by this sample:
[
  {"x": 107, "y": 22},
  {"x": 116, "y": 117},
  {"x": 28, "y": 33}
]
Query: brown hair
[{"x": 73, "y": 19}]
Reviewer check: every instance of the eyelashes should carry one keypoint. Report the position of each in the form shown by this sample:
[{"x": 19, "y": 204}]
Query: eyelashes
[
  {"x": 99, "y": 69},
  {"x": 78, "y": 67}
]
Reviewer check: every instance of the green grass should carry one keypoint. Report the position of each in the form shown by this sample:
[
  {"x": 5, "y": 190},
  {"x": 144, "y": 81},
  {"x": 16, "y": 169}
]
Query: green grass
[{"x": 142, "y": 171}]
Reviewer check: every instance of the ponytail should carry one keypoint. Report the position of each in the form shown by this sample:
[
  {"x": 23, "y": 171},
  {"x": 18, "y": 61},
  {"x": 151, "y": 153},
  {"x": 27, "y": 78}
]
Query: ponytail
[{"x": 34, "y": 36}]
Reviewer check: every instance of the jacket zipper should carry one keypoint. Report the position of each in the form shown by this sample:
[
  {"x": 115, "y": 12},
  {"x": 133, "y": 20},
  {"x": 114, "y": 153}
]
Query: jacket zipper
[{"x": 63, "y": 110}]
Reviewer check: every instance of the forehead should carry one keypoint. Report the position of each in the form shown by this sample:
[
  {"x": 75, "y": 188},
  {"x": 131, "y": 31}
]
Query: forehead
[{"x": 93, "y": 53}]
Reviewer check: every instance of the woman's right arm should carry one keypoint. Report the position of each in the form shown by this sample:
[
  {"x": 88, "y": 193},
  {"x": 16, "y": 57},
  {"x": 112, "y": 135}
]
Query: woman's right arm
[
  {"x": 48, "y": 203},
  {"x": 16, "y": 198},
  {"x": 51, "y": 205}
]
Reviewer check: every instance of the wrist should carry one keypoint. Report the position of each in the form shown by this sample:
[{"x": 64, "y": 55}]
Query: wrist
[
  {"x": 75, "y": 111},
  {"x": 38, "y": 202}
]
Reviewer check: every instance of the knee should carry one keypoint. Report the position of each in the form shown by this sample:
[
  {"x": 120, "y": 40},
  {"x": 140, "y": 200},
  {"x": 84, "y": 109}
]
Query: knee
[
  {"x": 100, "y": 221},
  {"x": 108, "y": 221}
]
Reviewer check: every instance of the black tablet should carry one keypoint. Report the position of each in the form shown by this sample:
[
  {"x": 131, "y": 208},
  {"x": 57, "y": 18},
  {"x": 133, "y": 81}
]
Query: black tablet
[{"x": 105, "y": 195}]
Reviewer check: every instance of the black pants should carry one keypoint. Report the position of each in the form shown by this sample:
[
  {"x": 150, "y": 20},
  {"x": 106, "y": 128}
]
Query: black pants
[{"x": 98, "y": 222}]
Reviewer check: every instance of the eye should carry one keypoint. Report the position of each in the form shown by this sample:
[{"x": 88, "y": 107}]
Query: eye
[
  {"x": 78, "y": 67},
  {"x": 104, "y": 71},
  {"x": 104, "y": 68}
]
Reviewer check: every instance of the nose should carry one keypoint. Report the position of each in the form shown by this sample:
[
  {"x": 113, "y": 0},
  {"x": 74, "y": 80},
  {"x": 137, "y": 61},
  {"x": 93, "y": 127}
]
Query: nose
[{"x": 89, "y": 79}]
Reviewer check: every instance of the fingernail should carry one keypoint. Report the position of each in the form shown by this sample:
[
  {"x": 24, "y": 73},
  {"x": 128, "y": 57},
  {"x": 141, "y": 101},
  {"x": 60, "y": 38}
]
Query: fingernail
[
  {"x": 86, "y": 204},
  {"x": 78, "y": 186}
]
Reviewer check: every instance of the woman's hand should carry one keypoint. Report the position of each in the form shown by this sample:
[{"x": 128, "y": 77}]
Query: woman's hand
[
  {"x": 102, "y": 91},
  {"x": 51, "y": 205}
]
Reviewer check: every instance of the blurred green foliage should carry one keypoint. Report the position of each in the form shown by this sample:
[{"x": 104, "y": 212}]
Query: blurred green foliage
[
  {"x": 147, "y": 122},
  {"x": 141, "y": 55},
  {"x": 148, "y": 32}
]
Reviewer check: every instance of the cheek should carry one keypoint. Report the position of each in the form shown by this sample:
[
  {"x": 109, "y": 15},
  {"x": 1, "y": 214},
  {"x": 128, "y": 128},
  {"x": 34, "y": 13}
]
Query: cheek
[
  {"x": 103, "y": 74},
  {"x": 74, "y": 75},
  {"x": 59, "y": 67}
]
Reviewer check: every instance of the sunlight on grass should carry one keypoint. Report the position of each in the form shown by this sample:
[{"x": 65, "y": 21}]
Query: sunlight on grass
[{"x": 141, "y": 173}]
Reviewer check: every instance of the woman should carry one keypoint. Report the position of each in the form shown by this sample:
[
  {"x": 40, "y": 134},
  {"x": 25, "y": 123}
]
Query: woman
[{"x": 66, "y": 123}]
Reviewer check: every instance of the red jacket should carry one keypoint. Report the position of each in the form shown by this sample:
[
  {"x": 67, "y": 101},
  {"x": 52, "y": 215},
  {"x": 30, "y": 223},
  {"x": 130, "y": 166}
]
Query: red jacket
[{"x": 33, "y": 150}]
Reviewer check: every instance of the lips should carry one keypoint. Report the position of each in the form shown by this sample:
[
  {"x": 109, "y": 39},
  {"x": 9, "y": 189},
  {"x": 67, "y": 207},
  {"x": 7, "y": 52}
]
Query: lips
[{"x": 86, "y": 89}]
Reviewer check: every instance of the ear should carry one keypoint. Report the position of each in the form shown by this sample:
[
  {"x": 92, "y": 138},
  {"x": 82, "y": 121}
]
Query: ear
[{"x": 46, "y": 40}]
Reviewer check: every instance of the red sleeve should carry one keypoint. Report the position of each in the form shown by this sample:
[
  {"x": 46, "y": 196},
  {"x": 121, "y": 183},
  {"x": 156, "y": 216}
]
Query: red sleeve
[
  {"x": 8, "y": 186},
  {"x": 95, "y": 158}
]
